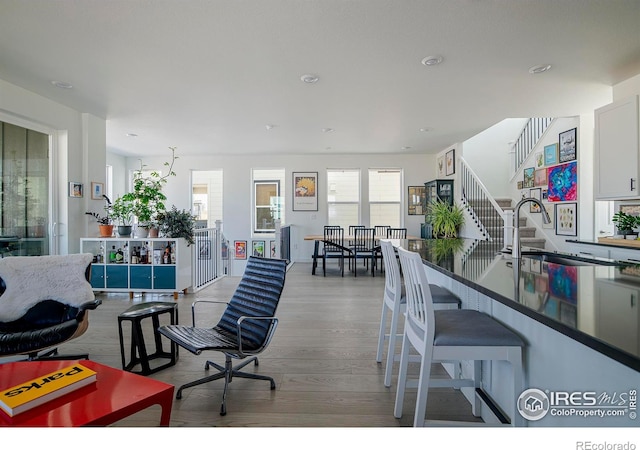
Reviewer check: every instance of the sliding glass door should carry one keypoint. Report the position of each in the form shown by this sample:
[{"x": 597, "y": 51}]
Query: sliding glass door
[{"x": 24, "y": 195}]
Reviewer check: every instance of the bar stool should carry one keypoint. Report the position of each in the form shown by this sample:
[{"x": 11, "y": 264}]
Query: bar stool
[{"x": 139, "y": 354}]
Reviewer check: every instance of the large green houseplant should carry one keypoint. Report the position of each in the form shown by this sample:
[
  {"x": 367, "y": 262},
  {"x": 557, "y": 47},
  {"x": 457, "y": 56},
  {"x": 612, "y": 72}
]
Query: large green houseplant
[
  {"x": 147, "y": 197},
  {"x": 176, "y": 223},
  {"x": 625, "y": 222},
  {"x": 445, "y": 219}
]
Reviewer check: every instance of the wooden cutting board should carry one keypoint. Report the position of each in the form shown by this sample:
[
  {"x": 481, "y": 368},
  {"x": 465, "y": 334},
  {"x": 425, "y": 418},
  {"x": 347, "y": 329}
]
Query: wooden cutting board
[{"x": 632, "y": 243}]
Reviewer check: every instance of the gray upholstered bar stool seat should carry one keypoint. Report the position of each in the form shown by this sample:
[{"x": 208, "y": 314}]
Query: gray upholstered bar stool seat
[
  {"x": 451, "y": 335},
  {"x": 395, "y": 302}
]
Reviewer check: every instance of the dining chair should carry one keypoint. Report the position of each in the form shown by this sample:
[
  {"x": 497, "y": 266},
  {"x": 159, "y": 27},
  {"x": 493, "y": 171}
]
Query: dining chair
[
  {"x": 363, "y": 248},
  {"x": 395, "y": 302},
  {"x": 446, "y": 335},
  {"x": 333, "y": 247},
  {"x": 396, "y": 233}
]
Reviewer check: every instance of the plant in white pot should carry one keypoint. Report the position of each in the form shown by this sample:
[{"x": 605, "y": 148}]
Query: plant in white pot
[{"x": 147, "y": 196}]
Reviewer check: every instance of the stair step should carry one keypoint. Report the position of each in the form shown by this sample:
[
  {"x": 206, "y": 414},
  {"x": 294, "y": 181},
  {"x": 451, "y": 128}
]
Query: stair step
[{"x": 532, "y": 242}]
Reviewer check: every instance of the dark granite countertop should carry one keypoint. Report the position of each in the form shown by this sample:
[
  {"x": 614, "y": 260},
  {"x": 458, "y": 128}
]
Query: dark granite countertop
[{"x": 595, "y": 302}]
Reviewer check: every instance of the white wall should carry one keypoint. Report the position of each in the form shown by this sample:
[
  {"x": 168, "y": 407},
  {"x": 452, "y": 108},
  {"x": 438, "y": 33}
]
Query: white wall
[
  {"x": 79, "y": 149},
  {"x": 488, "y": 154},
  {"x": 237, "y": 189}
]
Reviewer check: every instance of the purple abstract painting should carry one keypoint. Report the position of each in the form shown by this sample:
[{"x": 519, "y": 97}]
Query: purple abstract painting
[{"x": 563, "y": 182}]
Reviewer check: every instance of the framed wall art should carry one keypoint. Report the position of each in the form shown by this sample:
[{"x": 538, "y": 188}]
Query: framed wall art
[
  {"x": 305, "y": 191},
  {"x": 415, "y": 200},
  {"x": 551, "y": 211},
  {"x": 240, "y": 249},
  {"x": 562, "y": 182},
  {"x": 568, "y": 146},
  {"x": 257, "y": 248},
  {"x": 528, "y": 181},
  {"x": 540, "y": 177},
  {"x": 440, "y": 163},
  {"x": 204, "y": 249},
  {"x": 97, "y": 190},
  {"x": 539, "y": 159},
  {"x": 451, "y": 162},
  {"x": 537, "y": 194},
  {"x": 75, "y": 189},
  {"x": 567, "y": 219},
  {"x": 551, "y": 154},
  {"x": 272, "y": 249}
]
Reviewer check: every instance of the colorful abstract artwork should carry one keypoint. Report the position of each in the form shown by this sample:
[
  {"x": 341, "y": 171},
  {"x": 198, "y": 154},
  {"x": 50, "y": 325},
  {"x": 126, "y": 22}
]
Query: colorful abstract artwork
[
  {"x": 563, "y": 182},
  {"x": 563, "y": 282}
]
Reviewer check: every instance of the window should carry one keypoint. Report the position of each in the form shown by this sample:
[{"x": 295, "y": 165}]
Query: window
[
  {"x": 207, "y": 197},
  {"x": 385, "y": 197},
  {"x": 268, "y": 200},
  {"x": 343, "y": 197}
]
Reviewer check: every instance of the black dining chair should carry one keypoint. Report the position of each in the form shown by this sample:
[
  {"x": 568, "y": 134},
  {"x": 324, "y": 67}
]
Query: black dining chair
[
  {"x": 334, "y": 248},
  {"x": 397, "y": 233},
  {"x": 363, "y": 248}
]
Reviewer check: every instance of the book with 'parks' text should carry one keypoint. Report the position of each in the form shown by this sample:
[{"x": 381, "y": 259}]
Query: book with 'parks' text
[{"x": 25, "y": 396}]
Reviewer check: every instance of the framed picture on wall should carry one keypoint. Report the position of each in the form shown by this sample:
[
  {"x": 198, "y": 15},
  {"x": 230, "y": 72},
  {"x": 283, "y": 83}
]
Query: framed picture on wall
[
  {"x": 567, "y": 219},
  {"x": 257, "y": 248},
  {"x": 568, "y": 146},
  {"x": 305, "y": 191},
  {"x": 537, "y": 194},
  {"x": 551, "y": 154},
  {"x": 75, "y": 189},
  {"x": 450, "y": 161},
  {"x": 440, "y": 162},
  {"x": 97, "y": 189},
  {"x": 240, "y": 249},
  {"x": 272, "y": 249},
  {"x": 415, "y": 200}
]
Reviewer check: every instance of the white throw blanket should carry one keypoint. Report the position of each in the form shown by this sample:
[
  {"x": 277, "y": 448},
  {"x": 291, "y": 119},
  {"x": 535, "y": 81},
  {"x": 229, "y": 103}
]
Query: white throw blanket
[{"x": 31, "y": 279}]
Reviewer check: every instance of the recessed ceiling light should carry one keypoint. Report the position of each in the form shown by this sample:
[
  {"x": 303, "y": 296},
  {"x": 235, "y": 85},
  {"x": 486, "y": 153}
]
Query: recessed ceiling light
[
  {"x": 132, "y": 135},
  {"x": 62, "y": 84},
  {"x": 269, "y": 127},
  {"x": 425, "y": 130},
  {"x": 405, "y": 148},
  {"x": 432, "y": 60},
  {"x": 309, "y": 79},
  {"x": 540, "y": 69}
]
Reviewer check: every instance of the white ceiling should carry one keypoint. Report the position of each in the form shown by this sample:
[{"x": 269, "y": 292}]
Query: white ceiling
[{"x": 207, "y": 76}]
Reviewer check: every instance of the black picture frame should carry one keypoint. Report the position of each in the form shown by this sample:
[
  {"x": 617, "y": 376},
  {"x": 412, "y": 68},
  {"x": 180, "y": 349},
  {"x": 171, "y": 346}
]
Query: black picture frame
[
  {"x": 568, "y": 145},
  {"x": 450, "y": 162}
]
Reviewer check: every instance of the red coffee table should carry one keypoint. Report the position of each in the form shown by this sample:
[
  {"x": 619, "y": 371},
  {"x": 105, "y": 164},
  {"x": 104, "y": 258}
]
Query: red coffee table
[{"x": 115, "y": 395}]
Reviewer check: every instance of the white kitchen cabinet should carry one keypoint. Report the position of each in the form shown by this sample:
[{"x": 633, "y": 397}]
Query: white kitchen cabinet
[
  {"x": 617, "y": 161},
  {"x": 617, "y": 315},
  {"x": 127, "y": 274}
]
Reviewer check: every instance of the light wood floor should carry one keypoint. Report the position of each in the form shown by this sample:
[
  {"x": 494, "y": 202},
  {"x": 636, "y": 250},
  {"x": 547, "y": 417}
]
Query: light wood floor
[{"x": 322, "y": 359}]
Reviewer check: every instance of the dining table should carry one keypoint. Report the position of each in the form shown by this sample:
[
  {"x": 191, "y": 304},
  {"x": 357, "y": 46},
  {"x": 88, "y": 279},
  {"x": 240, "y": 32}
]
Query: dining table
[{"x": 319, "y": 238}]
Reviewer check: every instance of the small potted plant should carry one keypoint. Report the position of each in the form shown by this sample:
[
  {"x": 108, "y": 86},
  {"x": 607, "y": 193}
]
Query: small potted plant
[
  {"x": 177, "y": 224},
  {"x": 122, "y": 211},
  {"x": 105, "y": 222},
  {"x": 626, "y": 223}
]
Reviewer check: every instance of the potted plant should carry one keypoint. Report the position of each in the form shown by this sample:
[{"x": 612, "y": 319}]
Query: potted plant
[
  {"x": 147, "y": 196},
  {"x": 445, "y": 219},
  {"x": 177, "y": 224},
  {"x": 625, "y": 223},
  {"x": 122, "y": 211},
  {"x": 105, "y": 222}
]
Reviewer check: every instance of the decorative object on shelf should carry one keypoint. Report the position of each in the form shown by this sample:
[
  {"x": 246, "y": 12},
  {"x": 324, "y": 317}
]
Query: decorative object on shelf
[
  {"x": 240, "y": 249},
  {"x": 528, "y": 181},
  {"x": 551, "y": 154},
  {"x": 451, "y": 162},
  {"x": 625, "y": 223},
  {"x": 567, "y": 219},
  {"x": 147, "y": 196},
  {"x": 122, "y": 212},
  {"x": 305, "y": 191},
  {"x": 176, "y": 223},
  {"x": 105, "y": 223},
  {"x": 96, "y": 190},
  {"x": 568, "y": 141},
  {"x": 445, "y": 219},
  {"x": 75, "y": 189},
  {"x": 562, "y": 182},
  {"x": 416, "y": 200}
]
